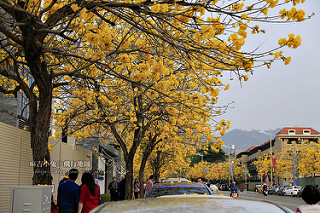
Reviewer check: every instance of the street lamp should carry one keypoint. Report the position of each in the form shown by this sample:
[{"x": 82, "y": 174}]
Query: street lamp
[
  {"x": 229, "y": 153},
  {"x": 263, "y": 132}
]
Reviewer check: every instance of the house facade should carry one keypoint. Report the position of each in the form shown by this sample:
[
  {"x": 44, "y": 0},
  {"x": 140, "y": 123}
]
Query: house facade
[{"x": 282, "y": 141}]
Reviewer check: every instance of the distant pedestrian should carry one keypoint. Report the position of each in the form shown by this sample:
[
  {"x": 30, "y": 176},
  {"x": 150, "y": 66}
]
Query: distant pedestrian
[
  {"x": 93, "y": 173},
  {"x": 122, "y": 188},
  {"x": 311, "y": 196},
  {"x": 136, "y": 188},
  {"x": 89, "y": 194},
  {"x": 54, "y": 205},
  {"x": 214, "y": 189},
  {"x": 114, "y": 189},
  {"x": 68, "y": 194},
  {"x": 63, "y": 180},
  {"x": 149, "y": 183},
  {"x": 199, "y": 180}
]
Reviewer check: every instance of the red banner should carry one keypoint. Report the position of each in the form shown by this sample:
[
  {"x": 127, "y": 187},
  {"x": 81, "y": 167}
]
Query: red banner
[{"x": 274, "y": 164}]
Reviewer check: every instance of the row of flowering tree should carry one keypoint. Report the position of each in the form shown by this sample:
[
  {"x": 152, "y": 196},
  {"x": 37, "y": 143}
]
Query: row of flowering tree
[
  {"x": 302, "y": 159},
  {"x": 218, "y": 172},
  {"x": 141, "y": 71}
]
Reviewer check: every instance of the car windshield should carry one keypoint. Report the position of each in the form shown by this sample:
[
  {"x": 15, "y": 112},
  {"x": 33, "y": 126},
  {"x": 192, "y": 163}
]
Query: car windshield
[{"x": 157, "y": 192}]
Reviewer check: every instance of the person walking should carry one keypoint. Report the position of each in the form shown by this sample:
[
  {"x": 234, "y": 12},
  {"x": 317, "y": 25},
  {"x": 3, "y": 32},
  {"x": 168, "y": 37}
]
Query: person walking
[
  {"x": 122, "y": 188},
  {"x": 114, "y": 189},
  {"x": 54, "y": 205},
  {"x": 149, "y": 183},
  {"x": 311, "y": 196},
  {"x": 68, "y": 194},
  {"x": 136, "y": 188},
  {"x": 199, "y": 180},
  {"x": 89, "y": 194},
  {"x": 93, "y": 173}
]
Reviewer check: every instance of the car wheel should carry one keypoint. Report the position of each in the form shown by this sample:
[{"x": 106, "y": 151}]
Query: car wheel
[{"x": 291, "y": 194}]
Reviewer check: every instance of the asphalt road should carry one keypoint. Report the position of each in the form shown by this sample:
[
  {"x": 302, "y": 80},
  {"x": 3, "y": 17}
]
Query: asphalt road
[{"x": 287, "y": 201}]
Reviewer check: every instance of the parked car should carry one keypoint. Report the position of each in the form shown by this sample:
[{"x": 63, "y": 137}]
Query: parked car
[
  {"x": 224, "y": 187},
  {"x": 190, "y": 203},
  {"x": 299, "y": 194},
  {"x": 282, "y": 190},
  {"x": 169, "y": 180},
  {"x": 274, "y": 189},
  {"x": 293, "y": 190},
  {"x": 178, "y": 188}
]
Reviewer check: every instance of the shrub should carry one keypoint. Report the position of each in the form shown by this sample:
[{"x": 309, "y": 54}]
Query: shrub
[{"x": 106, "y": 197}]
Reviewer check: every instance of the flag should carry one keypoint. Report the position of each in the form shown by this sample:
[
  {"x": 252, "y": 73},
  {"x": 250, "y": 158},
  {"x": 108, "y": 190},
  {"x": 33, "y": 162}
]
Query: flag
[
  {"x": 274, "y": 164},
  {"x": 231, "y": 171},
  {"x": 267, "y": 180},
  {"x": 219, "y": 174},
  {"x": 295, "y": 174}
]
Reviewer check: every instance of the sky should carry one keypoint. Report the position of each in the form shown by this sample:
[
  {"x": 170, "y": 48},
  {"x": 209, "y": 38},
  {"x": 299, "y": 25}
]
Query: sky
[{"x": 284, "y": 95}]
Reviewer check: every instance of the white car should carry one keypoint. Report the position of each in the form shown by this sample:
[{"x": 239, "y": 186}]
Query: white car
[
  {"x": 292, "y": 190},
  {"x": 190, "y": 204}
]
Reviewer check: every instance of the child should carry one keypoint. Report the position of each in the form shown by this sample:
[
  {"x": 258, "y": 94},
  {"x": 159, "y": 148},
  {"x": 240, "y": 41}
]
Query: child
[{"x": 311, "y": 196}]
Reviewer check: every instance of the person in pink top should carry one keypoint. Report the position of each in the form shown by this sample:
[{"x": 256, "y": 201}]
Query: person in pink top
[
  {"x": 311, "y": 196},
  {"x": 149, "y": 183}
]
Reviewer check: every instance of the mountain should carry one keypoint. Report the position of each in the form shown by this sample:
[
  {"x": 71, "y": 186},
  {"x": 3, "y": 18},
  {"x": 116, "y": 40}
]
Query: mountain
[{"x": 243, "y": 139}]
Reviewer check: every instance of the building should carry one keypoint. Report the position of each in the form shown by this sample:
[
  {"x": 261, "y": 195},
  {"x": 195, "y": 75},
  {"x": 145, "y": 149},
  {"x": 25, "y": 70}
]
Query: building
[
  {"x": 282, "y": 141},
  {"x": 106, "y": 160}
]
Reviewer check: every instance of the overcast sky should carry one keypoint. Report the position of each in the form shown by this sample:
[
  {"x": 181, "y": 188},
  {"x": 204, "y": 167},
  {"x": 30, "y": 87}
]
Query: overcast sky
[{"x": 285, "y": 95}]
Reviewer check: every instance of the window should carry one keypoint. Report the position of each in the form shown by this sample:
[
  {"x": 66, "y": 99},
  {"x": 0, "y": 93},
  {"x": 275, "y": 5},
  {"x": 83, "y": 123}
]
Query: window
[
  {"x": 291, "y": 132},
  {"x": 306, "y": 132}
]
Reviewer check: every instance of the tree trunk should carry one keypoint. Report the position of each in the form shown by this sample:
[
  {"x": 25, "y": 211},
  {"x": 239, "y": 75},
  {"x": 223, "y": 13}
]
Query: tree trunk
[
  {"x": 39, "y": 129},
  {"x": 129, "y": 180},
  {"x": 158, "y": 166},
  {"x": 40, "y": 111},
  {"x": 141, "y": 172}
]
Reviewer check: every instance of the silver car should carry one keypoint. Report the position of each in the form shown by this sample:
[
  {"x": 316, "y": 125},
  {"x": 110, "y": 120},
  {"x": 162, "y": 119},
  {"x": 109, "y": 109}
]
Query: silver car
[{"x": 190, "y": 204}]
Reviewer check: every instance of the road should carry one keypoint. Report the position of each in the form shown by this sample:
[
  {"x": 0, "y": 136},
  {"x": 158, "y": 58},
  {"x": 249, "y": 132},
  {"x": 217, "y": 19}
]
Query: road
[{"x": 289, "y": 202}]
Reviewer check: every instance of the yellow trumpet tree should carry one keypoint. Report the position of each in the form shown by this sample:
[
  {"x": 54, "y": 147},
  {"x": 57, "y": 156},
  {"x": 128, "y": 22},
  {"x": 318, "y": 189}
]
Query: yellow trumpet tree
[
  {"x": 263, "y": 165},
  {"x": 218, "y": 171},
  {"x": 308, "y": 159},
  {"x": 308, "y": 156},
  {"x": 48, "y": 46}
]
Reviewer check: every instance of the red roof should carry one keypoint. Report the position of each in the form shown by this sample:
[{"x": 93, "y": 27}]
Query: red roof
[
  {"x": 298, "y": 130},
  {"x": 264, "y": 143},
  {"x": 251, "y": 148}
]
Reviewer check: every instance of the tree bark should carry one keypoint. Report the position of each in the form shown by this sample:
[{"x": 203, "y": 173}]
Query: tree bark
[
  {"x": 157, "y": 166},
  {"x": 141, "y": 172},
  {"x": 129, "y": 180},
  {"x": 40, "y": 107},
  {"x": 40, "y": 114}
]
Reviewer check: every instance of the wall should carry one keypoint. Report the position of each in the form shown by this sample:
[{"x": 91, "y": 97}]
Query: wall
[
  {"x": 15, "y": 155},
  {"x": 16, "y": 161}
]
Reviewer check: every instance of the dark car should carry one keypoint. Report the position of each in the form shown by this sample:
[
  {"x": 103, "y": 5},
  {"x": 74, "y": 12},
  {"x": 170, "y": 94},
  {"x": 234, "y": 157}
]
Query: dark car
[
  {"x": 224, "y": 187},
  {"x": 178, "y": 188},
  {"x": 274, "y": 189}
]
